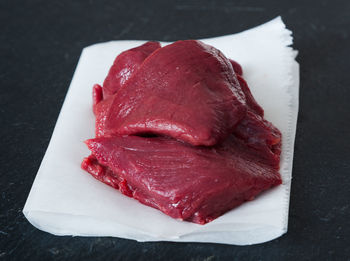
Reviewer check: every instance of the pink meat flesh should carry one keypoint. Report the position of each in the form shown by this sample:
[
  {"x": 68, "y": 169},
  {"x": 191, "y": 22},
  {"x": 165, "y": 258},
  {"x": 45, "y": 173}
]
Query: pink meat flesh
[
  {"x": 236, "y": 67},
  {"x": 212, "y": 150},
  {"x": 125, "y": 65},
  {"x": 190, "y": 183},
  {"x": 186, "y": 90}
]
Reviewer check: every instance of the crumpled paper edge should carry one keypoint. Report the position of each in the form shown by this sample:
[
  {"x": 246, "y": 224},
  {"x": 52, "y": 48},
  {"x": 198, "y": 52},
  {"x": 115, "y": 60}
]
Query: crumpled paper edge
[{"x": 291, "y": 84}]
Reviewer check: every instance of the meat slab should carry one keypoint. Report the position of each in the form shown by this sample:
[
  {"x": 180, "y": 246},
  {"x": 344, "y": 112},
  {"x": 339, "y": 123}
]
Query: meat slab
[
  {"x": 186, "y": 90},
  {"x": 202, "y": 147},
  {"x": 125, "y": 65},
  {"x": 190, "y": 183}
]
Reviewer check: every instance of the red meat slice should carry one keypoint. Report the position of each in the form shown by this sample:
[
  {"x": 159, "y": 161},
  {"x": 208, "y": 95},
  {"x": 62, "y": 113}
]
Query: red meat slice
[
  {"x": 125, "y": 65},
  {"x": 186, "y": 90},
  {"x": 253, "y": 130},
  {"x": 196, "y": 184}
]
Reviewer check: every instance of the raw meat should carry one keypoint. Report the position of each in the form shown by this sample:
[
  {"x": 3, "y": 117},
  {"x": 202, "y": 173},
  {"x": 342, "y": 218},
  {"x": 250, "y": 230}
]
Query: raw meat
[
  {"x": 97, "y": 97},
  {"x": 125, "y": 65},
  {"x": 262, "y": 137},
  {"x": 190, "y": 183},
  {"x": 186, "y": 90},
  {"x": 183, "y": 95}
]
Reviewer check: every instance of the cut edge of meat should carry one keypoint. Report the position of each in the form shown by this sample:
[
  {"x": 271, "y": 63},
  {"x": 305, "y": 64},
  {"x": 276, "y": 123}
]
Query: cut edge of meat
[
  {"x": 262, "y": 137},
  {"x": 121, "y": 120},
  {"x": 267, "y": 147},
  {"x": 230, "y": 204},
  {"x": 108, "y": 177},
  {"x": 237, "y": 68}
]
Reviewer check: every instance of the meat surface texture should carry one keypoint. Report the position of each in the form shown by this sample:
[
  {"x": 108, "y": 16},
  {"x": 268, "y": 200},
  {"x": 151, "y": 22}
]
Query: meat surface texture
[
  {"x": 125, "y": 65},
  {"x": 178, "y": 129},
  {"x": 185, "y": 182},
  {"x": 186, "y": 90}
]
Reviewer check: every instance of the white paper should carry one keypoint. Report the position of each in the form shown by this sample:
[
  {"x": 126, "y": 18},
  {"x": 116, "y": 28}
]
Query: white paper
[{"x": 65, "y": 200}]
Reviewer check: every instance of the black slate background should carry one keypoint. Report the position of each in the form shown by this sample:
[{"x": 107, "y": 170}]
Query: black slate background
[{"x": 40, "y": 44}]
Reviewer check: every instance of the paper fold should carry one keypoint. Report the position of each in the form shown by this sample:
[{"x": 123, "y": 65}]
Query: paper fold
[{"x": 65, "y": 200}]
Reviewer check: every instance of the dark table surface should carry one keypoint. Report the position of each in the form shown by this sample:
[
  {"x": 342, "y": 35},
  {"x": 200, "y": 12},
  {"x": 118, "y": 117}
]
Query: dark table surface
[{"x": 40, "y": 44}]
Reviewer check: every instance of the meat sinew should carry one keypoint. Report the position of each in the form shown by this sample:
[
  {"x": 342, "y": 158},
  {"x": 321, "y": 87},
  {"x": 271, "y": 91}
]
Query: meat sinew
[
  {"x": 212, "y": 150},
  {"x": 185, "y": 182}
]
